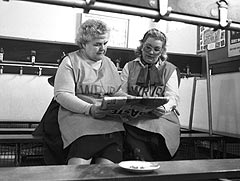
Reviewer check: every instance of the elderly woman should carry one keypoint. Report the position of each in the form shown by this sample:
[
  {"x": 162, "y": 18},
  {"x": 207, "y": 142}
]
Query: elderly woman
[
  {"x": 82, "y": 79},
  {"x": 154, "y": 135}
]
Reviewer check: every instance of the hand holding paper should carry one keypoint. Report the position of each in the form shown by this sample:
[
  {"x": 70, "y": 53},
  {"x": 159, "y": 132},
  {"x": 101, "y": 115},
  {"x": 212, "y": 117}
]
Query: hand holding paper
[
  {"x": 132, "y": 106},
  {"x": 97, "y": 112}
]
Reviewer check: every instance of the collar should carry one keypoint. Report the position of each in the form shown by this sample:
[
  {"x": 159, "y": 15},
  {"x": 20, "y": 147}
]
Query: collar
[
  {"x": 158, "y": 64},
  {"x": 95, "y": 65}
]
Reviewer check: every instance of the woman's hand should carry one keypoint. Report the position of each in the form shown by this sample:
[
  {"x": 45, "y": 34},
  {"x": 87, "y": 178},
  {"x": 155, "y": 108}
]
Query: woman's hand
[
  {"x": 142, "y": 108},
  {"x": 97, "y": 112},
  {"x": 159, "y": 111}
]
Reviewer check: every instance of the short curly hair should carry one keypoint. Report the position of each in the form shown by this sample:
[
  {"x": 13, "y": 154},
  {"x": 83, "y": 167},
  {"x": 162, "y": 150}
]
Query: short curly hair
[
  {"x": 158, "y": 35},
  {"x": 89, "y": 30}
]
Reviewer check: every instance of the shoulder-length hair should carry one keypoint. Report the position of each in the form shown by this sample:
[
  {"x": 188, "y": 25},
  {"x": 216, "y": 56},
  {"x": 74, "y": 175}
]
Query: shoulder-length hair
[{"x": 158, "y": 35}]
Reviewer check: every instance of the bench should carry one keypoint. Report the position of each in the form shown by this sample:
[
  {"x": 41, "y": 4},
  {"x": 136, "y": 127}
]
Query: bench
[
  {"x": 16, "y": 130},
  {"x": 19, "y": 142},
  {"x": 20, "y": 138},
  {"x": 190, "y": 144},
  {"x": 187, "y": 130},
  {"x": 19, "y": 124},
  {"x": 16, "y": 146},
  {"x": 212, "y": 145}
]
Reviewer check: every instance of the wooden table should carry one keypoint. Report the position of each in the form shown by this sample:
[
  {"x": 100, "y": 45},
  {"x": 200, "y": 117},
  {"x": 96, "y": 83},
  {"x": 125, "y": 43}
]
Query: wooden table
[{"x": 169, "y": 170}]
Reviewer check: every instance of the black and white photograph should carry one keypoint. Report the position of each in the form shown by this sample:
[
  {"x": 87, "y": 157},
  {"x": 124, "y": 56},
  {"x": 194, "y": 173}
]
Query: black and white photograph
[{"x": 105, "y": 90}]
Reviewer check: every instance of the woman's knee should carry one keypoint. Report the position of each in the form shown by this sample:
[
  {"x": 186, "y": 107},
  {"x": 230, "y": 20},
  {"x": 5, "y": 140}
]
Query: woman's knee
[
  {"x": 79, "y": 161},
  {"x": 103, "y": 161}
]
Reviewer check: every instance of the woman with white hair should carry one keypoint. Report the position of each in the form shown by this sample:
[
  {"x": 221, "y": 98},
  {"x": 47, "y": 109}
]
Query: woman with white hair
[{"x": 83, "y": 78}]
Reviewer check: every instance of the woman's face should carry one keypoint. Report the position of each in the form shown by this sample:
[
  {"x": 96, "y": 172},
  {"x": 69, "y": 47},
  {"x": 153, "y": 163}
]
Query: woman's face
[
  {"x": 151, "y": 50},
  {"x": 96, "y": 48}
]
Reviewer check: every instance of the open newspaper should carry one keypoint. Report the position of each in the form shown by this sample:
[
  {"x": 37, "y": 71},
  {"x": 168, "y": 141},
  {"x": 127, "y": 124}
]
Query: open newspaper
[{"x": 114, "y": 103}]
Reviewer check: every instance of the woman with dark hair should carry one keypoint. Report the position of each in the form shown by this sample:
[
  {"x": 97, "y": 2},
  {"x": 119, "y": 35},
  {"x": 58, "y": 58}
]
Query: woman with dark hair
[{"x": 154, "y": 135}]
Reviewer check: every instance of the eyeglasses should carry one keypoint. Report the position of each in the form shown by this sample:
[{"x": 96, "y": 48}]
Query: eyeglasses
[{"x": 148, "y": 48}]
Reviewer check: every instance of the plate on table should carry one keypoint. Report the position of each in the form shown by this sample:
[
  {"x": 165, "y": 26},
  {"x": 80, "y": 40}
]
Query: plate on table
[{"x": 139, "y": 166}]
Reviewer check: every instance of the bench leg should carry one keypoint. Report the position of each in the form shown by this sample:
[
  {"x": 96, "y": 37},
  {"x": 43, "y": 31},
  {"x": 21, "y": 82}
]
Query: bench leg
[{"x": 18, "y": 154}]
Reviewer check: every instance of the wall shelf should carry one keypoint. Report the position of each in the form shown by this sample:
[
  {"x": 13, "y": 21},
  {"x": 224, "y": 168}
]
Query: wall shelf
[
  {"x": 48, "y": 53},
  {"x": 18, "y": 67}
]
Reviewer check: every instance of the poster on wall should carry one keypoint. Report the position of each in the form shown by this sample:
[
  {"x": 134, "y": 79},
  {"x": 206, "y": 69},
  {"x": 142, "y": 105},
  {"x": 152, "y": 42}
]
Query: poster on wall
[
  {"x": 211, "y": 39},
  {"x": 118, "y": 28},
  {"x": 233, "y": 43}
]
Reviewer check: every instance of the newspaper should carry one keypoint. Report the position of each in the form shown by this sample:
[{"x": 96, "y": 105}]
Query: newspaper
[{"x": 113, "y": 103}]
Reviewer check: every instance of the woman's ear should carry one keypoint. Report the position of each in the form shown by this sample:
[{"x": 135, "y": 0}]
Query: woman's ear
[
  {"x": 83, "y": 45},
  {"x": 141, "y": 47}
]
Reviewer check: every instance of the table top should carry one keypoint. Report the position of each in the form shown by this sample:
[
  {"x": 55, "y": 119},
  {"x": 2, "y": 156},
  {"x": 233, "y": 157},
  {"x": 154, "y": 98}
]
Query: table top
[{"x": 169, "y": 170}]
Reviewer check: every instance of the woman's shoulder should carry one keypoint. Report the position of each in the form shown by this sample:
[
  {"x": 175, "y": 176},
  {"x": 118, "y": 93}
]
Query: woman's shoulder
[
  {"x": 170, "y": 64},
  {"x": 135, "y": 61},
  {"x": 76, "y": 58},
  {"x": 75, "y": 55},
  {"x": 107, "y": 59}
]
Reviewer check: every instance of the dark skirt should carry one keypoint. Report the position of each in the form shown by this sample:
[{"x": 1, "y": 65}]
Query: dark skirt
[
  {"x": 109, "y": 146},
  {"x": 144, "y": 145}
]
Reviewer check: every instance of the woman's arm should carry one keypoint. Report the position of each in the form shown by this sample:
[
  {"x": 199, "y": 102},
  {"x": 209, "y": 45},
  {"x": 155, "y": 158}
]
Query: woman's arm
[
  {"x": 172, "y": 92},
  {"x": 64, "y": 89},
  {"x": 124, "y": 78}
]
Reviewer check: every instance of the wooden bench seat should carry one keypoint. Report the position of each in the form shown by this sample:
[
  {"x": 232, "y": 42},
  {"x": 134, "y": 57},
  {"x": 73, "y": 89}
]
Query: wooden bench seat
[
  {"x": 24, "y": 138},
  {"x": 16, "y": 130},
  {"x": 187, "y": 130},
  {"x": 190, "y": 139},
  {"x": 20, "y": 138},
  {"x": 18, "y": 142},
  {"x": 18, "y": 124},
  {"x": 213, "y": 144},
  {"x": 200, "y": 135}
]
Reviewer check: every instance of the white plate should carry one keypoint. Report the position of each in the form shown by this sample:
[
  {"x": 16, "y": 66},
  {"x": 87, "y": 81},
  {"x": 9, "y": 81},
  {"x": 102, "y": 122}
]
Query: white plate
[{"x": 139, "y": 166}]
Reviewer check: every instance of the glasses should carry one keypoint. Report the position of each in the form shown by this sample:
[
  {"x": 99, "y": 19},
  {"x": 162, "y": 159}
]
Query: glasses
[{"x": 148, "y": 48}]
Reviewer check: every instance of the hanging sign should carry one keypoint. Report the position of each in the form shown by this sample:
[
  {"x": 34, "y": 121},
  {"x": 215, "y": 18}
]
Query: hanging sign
[
  {"x": 211, "y": 39},
  {"x": 233, "y": 43}
]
